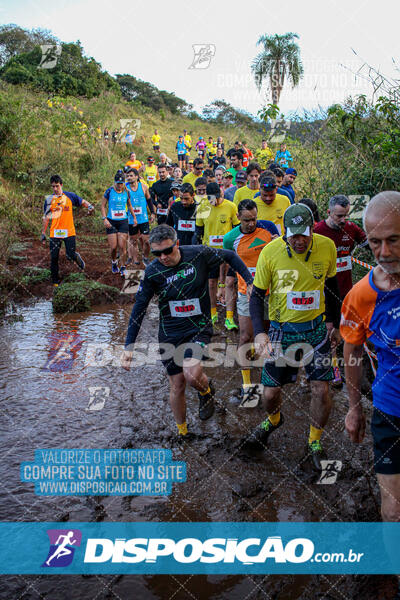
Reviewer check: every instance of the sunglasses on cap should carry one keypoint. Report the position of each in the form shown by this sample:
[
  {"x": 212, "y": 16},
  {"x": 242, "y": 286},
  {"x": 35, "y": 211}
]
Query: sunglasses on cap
[{"x": 165, "y": 251}]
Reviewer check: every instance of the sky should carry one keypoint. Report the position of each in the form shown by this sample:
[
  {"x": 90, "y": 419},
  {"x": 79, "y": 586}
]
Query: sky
[{"x": 154, "y": 42}]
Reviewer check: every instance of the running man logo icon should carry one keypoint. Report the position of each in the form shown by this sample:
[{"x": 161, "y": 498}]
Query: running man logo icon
[
  {"x": 330, "y": 471},
  {"x": 203, "y": 53},
  {"x": 62, "y": 547},
  {"x": 50, "y": 56},
  {"x": 287, "y": 279}
]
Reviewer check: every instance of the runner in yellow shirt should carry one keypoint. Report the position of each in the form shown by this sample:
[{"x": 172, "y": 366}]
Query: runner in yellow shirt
[
  {"x": 150, "y": 174},
  {"x": 198, "y": 167},
  {"x": 264, "y": 155},
  {"x": 187, "y": 138},
  {"x": 215, "y": 217},
  {"x": 299, "y": 270},
  {"x": 270, "y": 205},
  {"x": 248, "y": 192},
  {"x": 155, "y": 140}
]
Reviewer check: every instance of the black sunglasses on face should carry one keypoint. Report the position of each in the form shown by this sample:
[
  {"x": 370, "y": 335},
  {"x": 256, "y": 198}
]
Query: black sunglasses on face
[{"x": 165, "y": 251}]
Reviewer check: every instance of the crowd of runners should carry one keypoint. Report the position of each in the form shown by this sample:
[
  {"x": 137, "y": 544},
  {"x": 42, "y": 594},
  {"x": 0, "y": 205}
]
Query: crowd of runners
[{"x": 227, "y": 227}]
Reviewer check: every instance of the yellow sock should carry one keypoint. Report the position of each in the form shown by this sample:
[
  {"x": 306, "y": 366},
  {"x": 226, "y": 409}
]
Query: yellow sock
[
  {"x": 246, "y": 376},
  {"x": 334, "y": 361},
  {"x": 206, "y": 392},
  {"x": 213, "y": 311},
  {"x": 315, "y": 434},
  {"x": 182, "y": 428},
  {"x": 275, "y": 418},
  {"x": 229, "y": 314}
]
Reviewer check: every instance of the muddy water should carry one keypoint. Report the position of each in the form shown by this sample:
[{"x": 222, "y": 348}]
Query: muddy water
[{"x": 44, "y": 404}]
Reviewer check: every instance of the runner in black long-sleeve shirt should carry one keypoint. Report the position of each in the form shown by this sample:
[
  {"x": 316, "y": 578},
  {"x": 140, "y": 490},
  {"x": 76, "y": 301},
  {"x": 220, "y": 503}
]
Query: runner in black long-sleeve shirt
[
  {"x": 182, "y": 215},
  {"x": 160, "y": 194},
  {"x": 179, "y": 276}
]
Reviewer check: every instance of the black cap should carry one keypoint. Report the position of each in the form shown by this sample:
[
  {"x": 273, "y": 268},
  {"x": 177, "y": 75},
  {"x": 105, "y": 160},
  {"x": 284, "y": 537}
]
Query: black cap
[
  {"x": 213, "y": 189},
  {"x": 119, "y": 177}
]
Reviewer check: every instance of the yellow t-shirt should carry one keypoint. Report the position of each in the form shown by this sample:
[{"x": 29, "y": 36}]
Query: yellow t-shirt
[
  {"x": 272, "y": 212},
  {"x": 155, "y": 140},
  {"x": 296, "y": 286},
  {"x": 244, "y": 193},
  {"x": 191, "y": 178},
  {"x": 263, "y": 157},
  {"x": 217, "y": 221},
  {"x": 150, "y": 175},
  {"x": 188, "y": 141}
]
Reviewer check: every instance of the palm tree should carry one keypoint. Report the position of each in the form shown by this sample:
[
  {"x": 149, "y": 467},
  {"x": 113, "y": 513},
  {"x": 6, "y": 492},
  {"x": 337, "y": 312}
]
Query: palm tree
[{"x": 278, "y": 61}]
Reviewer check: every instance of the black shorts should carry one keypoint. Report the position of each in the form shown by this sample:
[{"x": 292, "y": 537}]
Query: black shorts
[
  {"x": 143, "y": 228},
  {"x": 231, "y": 273},
  {"x": 117, "y": 226},
  {"x": 181, "y": 157},
  {"x": 385, "y": 431},
  {"x": 191, "y": 347},
  {"x": 156, "y": 147},
  {"x": 289, "y": 350}
]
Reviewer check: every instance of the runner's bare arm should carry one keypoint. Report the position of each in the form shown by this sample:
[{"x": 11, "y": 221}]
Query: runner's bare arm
[
  {"x": 355, "y": 418},
  {"x": 103, "y": 209}
]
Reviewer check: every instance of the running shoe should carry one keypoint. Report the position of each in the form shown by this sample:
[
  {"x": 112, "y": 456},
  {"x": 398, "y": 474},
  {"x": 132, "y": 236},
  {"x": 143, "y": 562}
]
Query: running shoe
[
  {"x": 129, "y": 260},
  {"x": 316, "y": 453},
  {"x": 214, "y": 319},
  {"x": 122, "y": 271},
  {"x": 230, "y": 324},
  {"x": 183, "y": 439},
  {"x": 79, "y": 261},
  {"x": 114, "y": 266},
  {"x": 259, "y": 437},
  {"x": 206, "y": 403},
  {"x": 337, "y": 378}
]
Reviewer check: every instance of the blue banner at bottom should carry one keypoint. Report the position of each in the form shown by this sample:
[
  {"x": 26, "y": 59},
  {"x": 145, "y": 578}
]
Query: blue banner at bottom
[{"x": 199, "y": 548}]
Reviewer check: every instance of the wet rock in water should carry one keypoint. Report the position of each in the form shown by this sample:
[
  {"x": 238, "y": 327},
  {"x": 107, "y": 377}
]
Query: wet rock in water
[{"x": 78, "y": 294}]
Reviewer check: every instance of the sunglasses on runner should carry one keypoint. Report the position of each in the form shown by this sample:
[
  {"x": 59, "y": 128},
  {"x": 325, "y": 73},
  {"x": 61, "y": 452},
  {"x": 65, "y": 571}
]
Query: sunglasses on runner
[{"x": 165, "y": 251}]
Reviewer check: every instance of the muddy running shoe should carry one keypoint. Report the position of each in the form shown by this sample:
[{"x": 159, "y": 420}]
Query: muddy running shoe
[
  {"x": 184, "y": 439},
  {"x": 259, "y": 437},
  {"x": 316, "y": 453},
  {"x": 337, "y": 382},
  {"x": 206, "y": 403},
  {"x": 79, "y": 261},
  {"x": 122, "y": 271},
  {"x": 214, "y": 319},
  {"x": 230, "y": 324},
  {"x": 114, "y": 267}
]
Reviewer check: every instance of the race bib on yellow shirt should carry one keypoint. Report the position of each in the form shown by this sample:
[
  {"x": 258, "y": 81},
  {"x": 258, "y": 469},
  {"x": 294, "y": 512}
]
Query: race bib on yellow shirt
[
  {"x": 343, "y": 263},
  {"x": 151, "y": 177},
  {"x": 216, "y": 240},
  {"x": 60, "y": 233},
  {"x": 303, "y": 300},
  {"x": 185, "y": 308}
]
